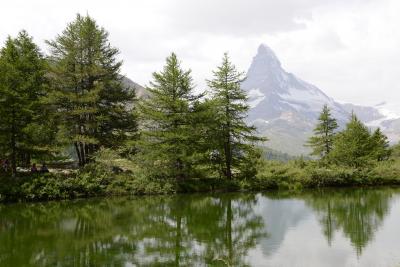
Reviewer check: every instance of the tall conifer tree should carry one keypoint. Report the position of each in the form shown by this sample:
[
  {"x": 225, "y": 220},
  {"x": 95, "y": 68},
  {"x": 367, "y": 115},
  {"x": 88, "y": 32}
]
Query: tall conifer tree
[
  {"x": 167, "y": 144},
  {"x": 94, "y": 107},
  {"x": 22, "y": 83},
  {"x": 234, "y": 139}
]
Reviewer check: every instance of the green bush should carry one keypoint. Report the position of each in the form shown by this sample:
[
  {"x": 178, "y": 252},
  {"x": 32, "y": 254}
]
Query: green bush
[
  {"x": 296, "y": 175},
  {"x": 99, "y": 179}
]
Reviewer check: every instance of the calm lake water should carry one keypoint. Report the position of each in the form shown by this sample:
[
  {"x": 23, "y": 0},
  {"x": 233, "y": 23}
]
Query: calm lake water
[{"x": 352, "y": 227}]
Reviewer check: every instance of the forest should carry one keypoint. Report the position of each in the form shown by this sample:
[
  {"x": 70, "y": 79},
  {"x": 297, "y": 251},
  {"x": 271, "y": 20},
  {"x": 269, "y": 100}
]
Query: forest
[{"x": 69, "y": 112}]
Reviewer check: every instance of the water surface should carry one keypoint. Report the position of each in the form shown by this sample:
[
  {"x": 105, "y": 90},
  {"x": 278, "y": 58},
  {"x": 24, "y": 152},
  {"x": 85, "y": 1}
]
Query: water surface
[{"x": 351, "y": 227}]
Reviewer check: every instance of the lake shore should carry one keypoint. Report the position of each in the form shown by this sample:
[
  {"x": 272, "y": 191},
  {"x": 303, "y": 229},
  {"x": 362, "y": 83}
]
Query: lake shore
[{"x": 272, "y": 176}]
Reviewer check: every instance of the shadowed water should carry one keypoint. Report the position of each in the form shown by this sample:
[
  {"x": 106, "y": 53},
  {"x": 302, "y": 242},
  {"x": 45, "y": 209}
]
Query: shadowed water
[{"x": 352, "y": 227}]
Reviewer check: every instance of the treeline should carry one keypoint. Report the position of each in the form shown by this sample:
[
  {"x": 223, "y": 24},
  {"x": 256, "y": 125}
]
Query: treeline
[
  {"x": 355, "y": 146},
  {"x": 74, "y": 98},
  {"x": 352, "y": 156}
]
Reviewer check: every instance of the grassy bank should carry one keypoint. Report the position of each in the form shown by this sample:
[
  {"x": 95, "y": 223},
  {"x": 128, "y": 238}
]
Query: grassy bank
[
  {"x": 298, "y": 174},
  {"x": 295, "y": 175}
]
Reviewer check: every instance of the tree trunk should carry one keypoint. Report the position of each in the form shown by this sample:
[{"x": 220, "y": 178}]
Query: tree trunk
[
  {"x": 83, "y": 156},
  {"x": 179, "y": 166},
  {"x": 27, "y": 159},
  {"x": 87, "y": 153},
  {"x": 13, "y": 156},
  {"x": 228, "y": 160},
  {"x": 13, "y": 147},
  {"x": 78, "y": 153},
  {"x": 228, "y": 149}
]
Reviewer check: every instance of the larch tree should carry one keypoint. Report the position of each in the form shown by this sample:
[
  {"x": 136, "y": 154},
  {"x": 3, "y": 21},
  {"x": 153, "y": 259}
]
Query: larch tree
[
  {"x": 167, "y": 142},
  {"x": 380, "y": 146},
  {"x": 22, "y": 84},
  {"x": 94, "y": 108},
  {"x": 324, "y": 134},
  {"x": 234, "y": 139},
  {"x": 352, "y": 146}
]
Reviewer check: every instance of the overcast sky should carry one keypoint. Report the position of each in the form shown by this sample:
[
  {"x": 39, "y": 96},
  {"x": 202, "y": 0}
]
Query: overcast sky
[{"x": 348, "y": 48}]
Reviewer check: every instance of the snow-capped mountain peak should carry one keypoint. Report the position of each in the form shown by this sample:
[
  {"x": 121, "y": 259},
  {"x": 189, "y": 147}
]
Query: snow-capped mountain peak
[
  {"x": 291, "y": 106},
  {"x": 273, "y": 91},
  {"x": 266, "y": 55}
]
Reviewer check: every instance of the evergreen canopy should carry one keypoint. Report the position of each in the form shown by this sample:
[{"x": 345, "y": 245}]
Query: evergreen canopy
[
  {"x": 94, "y": 108},
  {"x": 22, "y": 84},
  {"x": 167, "y": 131},
  {"x": 324, "y": 134},
  {"x": 234, "y": 138}
]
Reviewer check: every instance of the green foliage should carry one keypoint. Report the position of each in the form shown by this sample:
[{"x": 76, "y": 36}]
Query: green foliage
[
  {"x": 94, "y": 108},
  {"x": 168, "y": 138},
  {"x": 112, "y": 175},
  {"x": 84, "y": 184},
  {"x": 25, "y": 126},
  {"x": 356, "y": 147},
  {"x": 277, "y": 175},
  {"x": 233, "y": 139},
  {"x": 352, "y": 146},
  {"x": 380, "y": 146},
  {"x": 99, "y": 179},
  {"x": 310, "y": 174},
  {"x": 395, "y": 151},
  {"x": 324, "y": 134}
]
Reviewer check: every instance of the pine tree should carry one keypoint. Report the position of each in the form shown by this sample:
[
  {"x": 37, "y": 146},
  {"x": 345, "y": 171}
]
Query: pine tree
[
  {"x": 324, "y": 134},
  {"x": 380, "y": 146},
  {"x": 352, "y": 146},
  {"x": 233, "y": 138},
  {"x": 93, "y": 106},
  {"x": 22, "y": 84},
  {"x": 167, "y": 117}
]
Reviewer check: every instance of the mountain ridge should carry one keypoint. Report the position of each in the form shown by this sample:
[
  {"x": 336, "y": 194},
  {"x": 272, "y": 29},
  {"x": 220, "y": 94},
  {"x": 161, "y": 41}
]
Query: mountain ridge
[{"x": 285, "y": 108}]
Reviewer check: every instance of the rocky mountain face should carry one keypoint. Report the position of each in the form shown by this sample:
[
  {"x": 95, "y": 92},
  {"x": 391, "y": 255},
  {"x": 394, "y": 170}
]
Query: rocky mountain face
[
  {"x": 140, "y": 90},
  {"x": 285, "y": 108}
]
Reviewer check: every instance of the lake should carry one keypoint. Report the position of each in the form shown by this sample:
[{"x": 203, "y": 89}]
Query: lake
[{"x": 341, "y": 227}]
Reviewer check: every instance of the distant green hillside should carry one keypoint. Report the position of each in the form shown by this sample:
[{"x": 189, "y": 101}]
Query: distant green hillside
[{"x": 271, "y": 154}]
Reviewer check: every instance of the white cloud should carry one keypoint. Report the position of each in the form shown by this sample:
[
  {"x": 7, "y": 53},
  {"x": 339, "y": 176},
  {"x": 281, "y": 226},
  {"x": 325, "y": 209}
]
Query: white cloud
[
  {"x": 349, "y": 48},
  {"x": 350, "y": 52}
]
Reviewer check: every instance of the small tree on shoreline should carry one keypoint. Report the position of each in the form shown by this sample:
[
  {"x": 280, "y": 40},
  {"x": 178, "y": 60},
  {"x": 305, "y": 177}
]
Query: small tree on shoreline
[
  {"x": 381, "y": 145},
  {"x": 324, "y": 134},
  {"x": 352, "y": 145}
]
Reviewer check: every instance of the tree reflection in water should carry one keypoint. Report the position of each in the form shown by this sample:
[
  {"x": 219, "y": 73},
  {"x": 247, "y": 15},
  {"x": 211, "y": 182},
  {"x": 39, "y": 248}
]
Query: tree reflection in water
[
  {"x": 358, "y": 213},
  {"x": 187, "y": 230},
  {"x": 149, "y": 231}
]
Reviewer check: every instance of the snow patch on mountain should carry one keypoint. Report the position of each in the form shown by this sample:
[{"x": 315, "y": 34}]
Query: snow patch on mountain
[
  {"x": 310, "y": 98},
  {"x": 255, "y": 97},
  {"x": 387, "y": 110}
]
